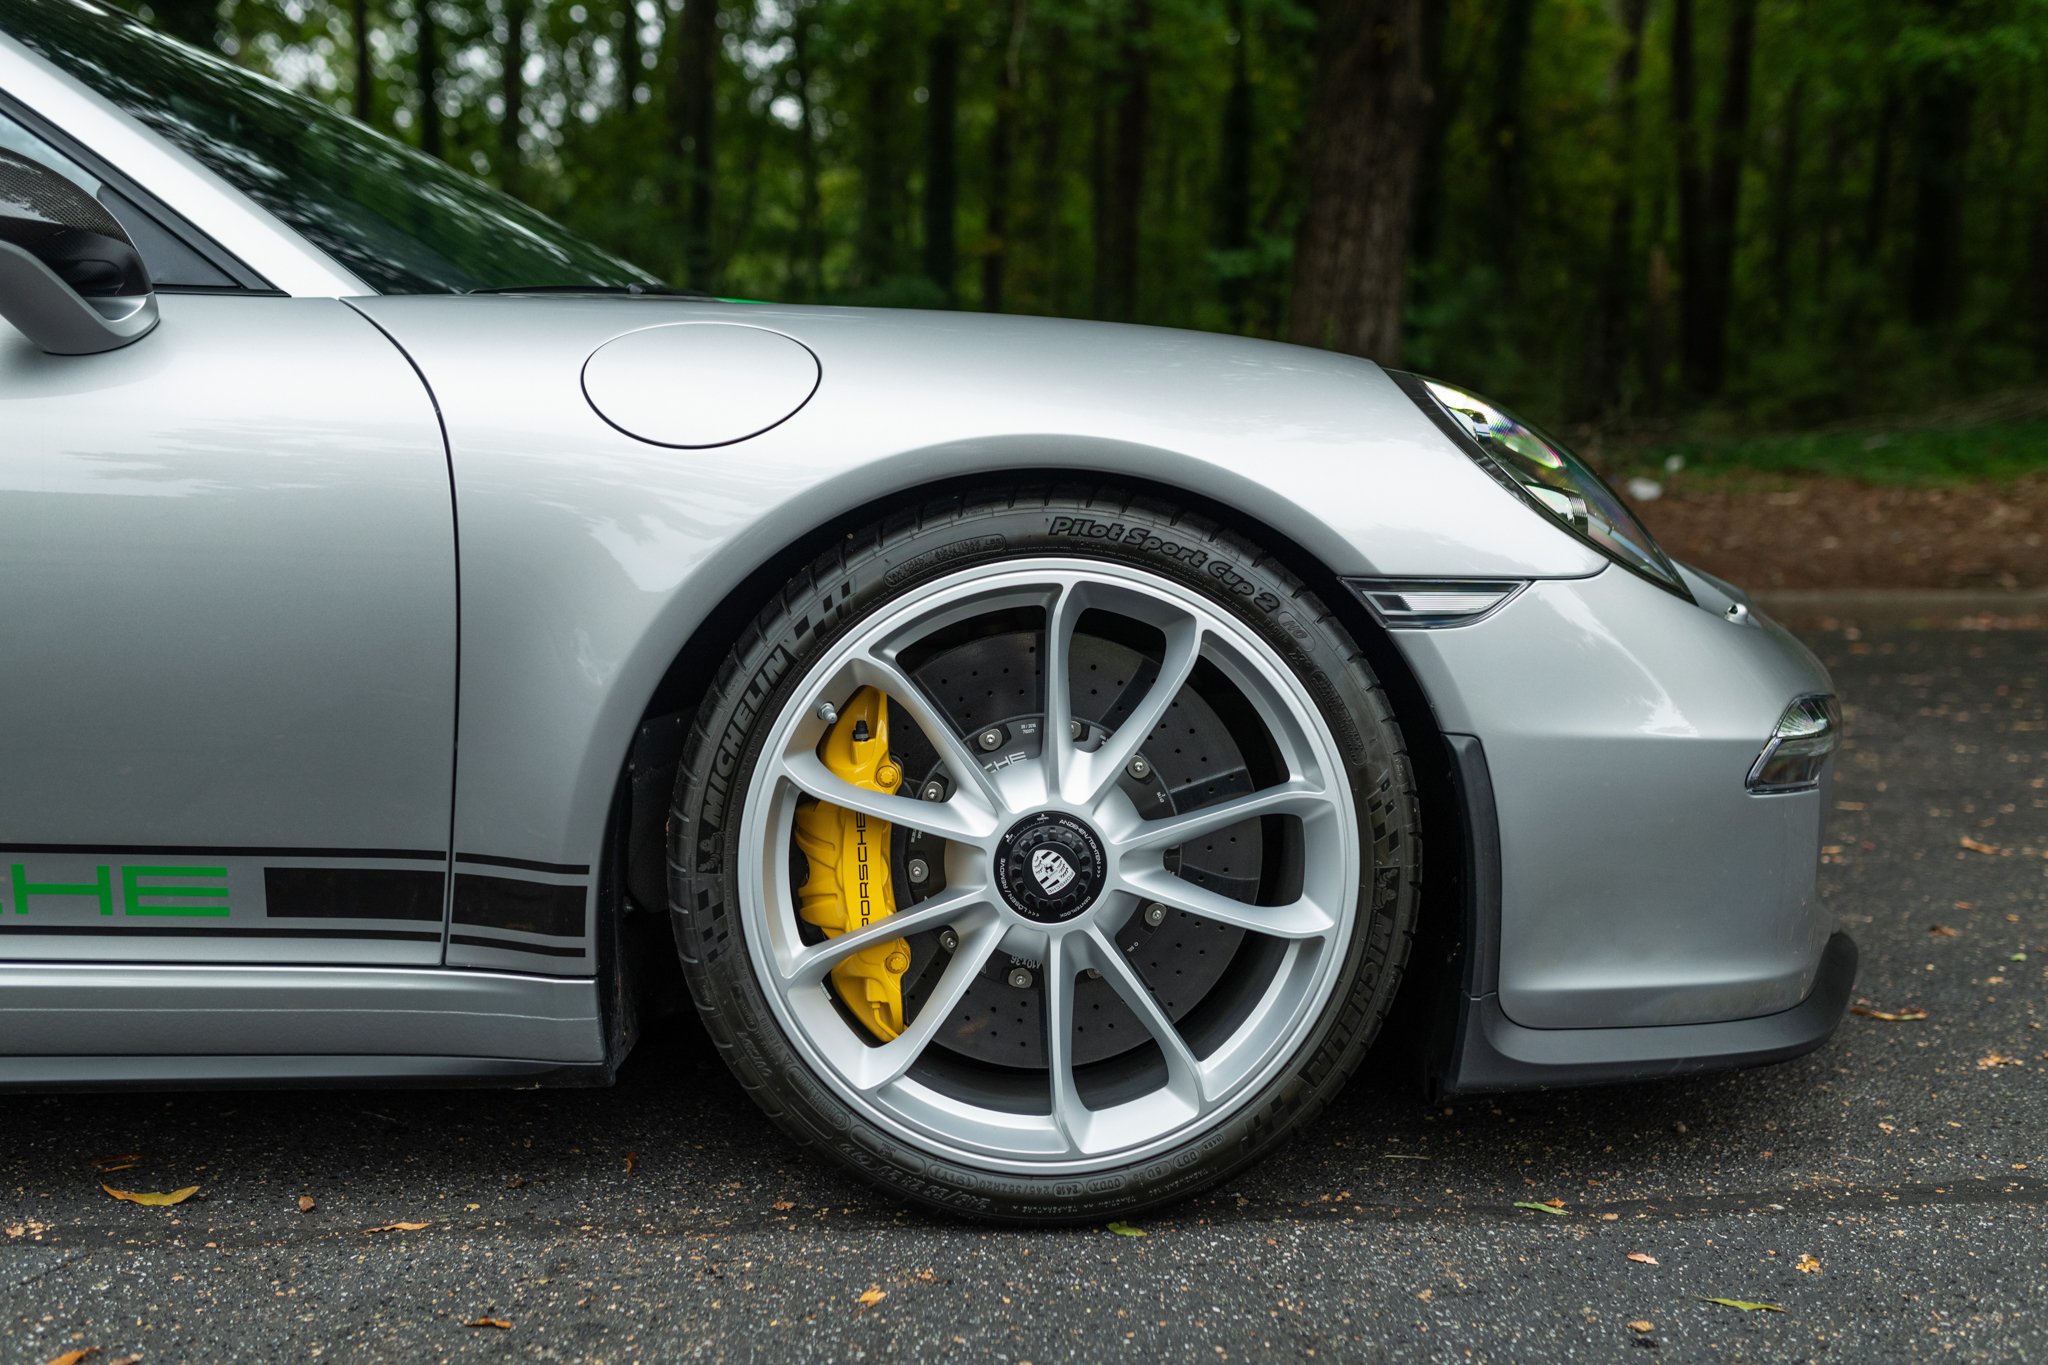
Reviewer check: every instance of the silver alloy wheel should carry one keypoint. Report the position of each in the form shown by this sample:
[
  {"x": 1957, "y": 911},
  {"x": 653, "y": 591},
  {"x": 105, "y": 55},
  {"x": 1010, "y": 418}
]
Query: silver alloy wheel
[{"x": 993, "y": 796}]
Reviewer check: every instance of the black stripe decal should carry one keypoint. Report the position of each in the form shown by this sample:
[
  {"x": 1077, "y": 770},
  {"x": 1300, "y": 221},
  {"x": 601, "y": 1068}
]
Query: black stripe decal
[
  {"x": 407, "y": 855},
  {"x": 529, "y": 907},
  {"x": 506, "y": 945},
  {"x": 525, "y": 864},
  {"x": 158, "y": 931},
  {"x": 352, "y": 893}
]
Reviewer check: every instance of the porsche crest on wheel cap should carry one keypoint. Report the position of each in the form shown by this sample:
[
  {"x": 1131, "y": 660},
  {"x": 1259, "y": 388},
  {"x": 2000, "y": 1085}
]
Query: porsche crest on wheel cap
[{"x": 1049, "y": 867}]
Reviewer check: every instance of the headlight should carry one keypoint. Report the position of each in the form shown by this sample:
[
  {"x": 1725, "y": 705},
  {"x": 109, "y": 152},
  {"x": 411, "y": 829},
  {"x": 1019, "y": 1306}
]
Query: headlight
[{"x": 1546, "y": 474}]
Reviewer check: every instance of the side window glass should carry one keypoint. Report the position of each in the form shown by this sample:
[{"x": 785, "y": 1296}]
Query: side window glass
[{"x": 172, "y": 264}]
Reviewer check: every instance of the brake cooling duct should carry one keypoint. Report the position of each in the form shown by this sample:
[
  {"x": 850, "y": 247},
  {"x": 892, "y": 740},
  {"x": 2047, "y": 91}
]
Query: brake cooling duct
[{"x": 848, "y": 886}]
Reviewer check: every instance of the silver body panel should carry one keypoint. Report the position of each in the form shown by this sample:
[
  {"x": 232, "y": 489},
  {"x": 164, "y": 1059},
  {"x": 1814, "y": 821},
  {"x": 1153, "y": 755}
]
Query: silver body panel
[
  {"x": 1641, "y": 883},
  {"x": 589, "y": 557},
  {"x": 235, "y": 550},
  {"x": 230, "y": 586},
  {"x": 52, "y": 1010}
]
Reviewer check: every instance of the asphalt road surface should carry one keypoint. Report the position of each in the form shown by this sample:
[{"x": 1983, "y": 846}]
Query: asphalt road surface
[{"x": 1890, "y": 1192}]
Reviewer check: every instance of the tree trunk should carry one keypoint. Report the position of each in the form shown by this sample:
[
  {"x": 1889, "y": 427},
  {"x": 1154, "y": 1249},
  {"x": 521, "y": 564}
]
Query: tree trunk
[
  {"x": 632, "y": 55},
  {"x": 810, "y": 241},
  {"x": 1234, "y": 173},
  {"x": 1363, "y": 128},
  {"x": 1048, "y": 283},
  {"x": 1876, "y": 205},
  {"x": 1117, "y": 259},
  {"x": 1784, "y": 195},
  {"x": 693, "y": 107},
  {"x": 2040, "y": 278},
  {"x": 1941, "y": 145},
  {"x": 1724, "y": 192},
  {"x": 875, "y": 243},
  {"x": 1443, "y": 107},
  {"x": 1709, "y": 206},
  {"x": 359, "y": 32},
  {"x": 941, "y": 168},
  {"x": 512, "y": 62},
  {"x": 427, "y": 71},
  {"x": 1002, "y": 156},
  {"x": 1610, "y": 346},
  {"x": 1504, "y": 141}
]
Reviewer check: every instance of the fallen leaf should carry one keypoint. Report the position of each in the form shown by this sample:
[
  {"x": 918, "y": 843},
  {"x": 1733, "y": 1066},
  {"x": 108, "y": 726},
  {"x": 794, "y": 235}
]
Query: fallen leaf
[
  {"x": 1642, "y": 1258},
  {"x": 632, "y": 1160},
  {"x": 502, "y": 1324},
  {"x": 306, "y": 1204},
  {"x": 1127, "y": 1230},
  {"x": 515, "y": 1182},
  {"x": 73, "y": 1357},
  {"x": 1746, "y": 1305},
  {"x": 1807, "y": 1265},
  {"x": 1991, "y": 1059},
  {"x": 1978, "y": 845},
  {"x": 1890, "y": 1016},
  {"x": 1539, "y": 1208},
  {"x": 2017, "y": 957},
  {"x": 396, "y": 1227},
  {"x": 1642, "y": 1325},
  {"x": 107, "y": 1165},
  {"x": 1941, "y": 931},
  {"x": 152, "y": 1199},
  {"x": 1426, "y": 1295},
  {"x": 783, "y": 1205},
  {"x": 874, "y": 1295},
  {"x": 135, "y": 1359}
]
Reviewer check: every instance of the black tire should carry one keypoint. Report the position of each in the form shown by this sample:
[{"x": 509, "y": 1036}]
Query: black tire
[{"x": 889, "y": 561}]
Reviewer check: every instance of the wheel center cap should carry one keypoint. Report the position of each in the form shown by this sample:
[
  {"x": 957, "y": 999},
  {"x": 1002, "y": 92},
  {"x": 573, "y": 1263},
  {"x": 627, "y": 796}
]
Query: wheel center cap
[{"x": 1050, "y": 867}]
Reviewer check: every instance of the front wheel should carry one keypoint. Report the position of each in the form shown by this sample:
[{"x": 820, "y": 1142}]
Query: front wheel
[{"x": 1044, "y": 858}]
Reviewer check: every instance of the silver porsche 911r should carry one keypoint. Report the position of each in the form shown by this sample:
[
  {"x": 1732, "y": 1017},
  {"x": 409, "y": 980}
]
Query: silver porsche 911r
[{"x": 424, "y": 631}]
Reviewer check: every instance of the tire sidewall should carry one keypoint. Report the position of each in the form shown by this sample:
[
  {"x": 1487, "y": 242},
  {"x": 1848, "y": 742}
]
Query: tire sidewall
[{"x": 896, "y": 561}]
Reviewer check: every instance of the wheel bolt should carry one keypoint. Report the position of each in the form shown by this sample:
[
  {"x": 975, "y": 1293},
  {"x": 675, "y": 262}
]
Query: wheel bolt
[
  {"x": 1155, "y": 914},
  {"x": 1139, "y": 769},
  {"x": 991, "y": 738},
  {"x": 1092, "y": 974},
  {"x": 934, "y": 790},
  {"x": 949, "y": 939},
  {"x": 919, "y": 869},
  {"x": 1020, "y": 977},
  {"x": 1075, "y": 729}
]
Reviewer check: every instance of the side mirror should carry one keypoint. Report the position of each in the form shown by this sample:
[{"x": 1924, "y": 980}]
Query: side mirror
[{"x": 70, "y": 280}]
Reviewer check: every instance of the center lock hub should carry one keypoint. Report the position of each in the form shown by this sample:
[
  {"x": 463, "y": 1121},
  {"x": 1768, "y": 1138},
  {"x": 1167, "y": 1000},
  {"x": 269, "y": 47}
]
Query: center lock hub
[{"x": 1050, "y": 867}]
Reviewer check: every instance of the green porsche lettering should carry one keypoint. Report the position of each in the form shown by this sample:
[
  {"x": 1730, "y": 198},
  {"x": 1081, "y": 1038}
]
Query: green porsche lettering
[
  {"x": 102, "y": 887},
  {"x": 182, "y": 892}
]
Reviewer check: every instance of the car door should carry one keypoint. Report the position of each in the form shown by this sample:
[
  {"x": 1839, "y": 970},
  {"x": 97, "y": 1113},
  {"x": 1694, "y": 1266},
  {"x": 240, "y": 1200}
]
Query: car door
[{"x": 227, "y": 674}]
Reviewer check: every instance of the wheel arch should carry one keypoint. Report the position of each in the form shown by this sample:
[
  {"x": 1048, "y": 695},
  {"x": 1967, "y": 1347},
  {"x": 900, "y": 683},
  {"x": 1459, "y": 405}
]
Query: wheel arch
[{"x": 648, "y": 774}]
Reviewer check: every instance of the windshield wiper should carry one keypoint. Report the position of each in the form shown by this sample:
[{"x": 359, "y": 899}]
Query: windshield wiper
[{"x": 650, "y": 290}]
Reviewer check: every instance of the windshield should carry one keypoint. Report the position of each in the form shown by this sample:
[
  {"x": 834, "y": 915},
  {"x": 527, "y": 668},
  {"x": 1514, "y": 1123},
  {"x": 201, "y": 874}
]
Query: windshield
[{"x": 404, "y": 222}]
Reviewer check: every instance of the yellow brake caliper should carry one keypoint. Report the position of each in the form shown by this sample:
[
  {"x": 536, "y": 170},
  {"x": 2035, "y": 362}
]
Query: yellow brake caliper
[{"x": 848, "y": 886}]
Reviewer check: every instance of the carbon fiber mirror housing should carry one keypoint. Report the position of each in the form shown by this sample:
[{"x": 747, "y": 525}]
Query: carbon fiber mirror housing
[{"x": 70, "y": 279}]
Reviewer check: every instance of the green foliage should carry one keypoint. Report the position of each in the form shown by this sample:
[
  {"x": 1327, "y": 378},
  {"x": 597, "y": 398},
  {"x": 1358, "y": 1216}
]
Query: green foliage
[
  {"x": 1927, "y": 458},
  {"x": 822, "y": 129}
]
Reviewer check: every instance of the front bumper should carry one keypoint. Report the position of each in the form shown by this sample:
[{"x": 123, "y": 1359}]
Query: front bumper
[
  {"x": 1632, "y": 909},
  {"x": 1475, "y": 1049}
]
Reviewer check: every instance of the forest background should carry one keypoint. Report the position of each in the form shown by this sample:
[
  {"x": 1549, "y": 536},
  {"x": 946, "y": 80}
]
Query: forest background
[{"x": 1769, "y": 238}]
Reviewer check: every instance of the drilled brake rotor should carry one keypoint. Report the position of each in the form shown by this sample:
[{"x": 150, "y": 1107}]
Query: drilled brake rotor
[{"x": 992, "y": 684}]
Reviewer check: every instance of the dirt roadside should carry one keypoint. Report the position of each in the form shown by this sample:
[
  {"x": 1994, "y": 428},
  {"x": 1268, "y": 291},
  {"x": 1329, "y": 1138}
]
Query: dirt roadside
[{"x": 1838, "y": 534}]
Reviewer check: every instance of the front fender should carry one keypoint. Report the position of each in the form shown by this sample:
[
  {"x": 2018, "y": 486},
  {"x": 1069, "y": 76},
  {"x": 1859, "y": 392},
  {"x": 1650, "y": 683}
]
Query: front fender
[{"x": 588, "y": 558}]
